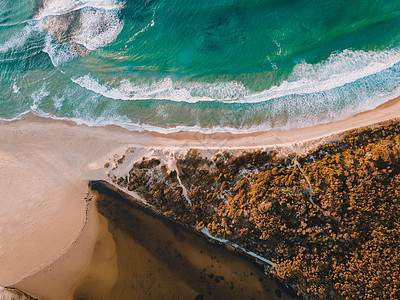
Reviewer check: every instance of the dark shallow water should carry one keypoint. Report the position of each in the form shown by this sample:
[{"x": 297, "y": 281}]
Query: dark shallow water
[{"x": 160, "y": 259}]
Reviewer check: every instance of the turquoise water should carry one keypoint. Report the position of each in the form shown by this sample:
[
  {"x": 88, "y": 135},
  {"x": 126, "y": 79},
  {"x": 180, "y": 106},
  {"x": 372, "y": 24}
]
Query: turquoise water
[{"x": 221, "y": 65}]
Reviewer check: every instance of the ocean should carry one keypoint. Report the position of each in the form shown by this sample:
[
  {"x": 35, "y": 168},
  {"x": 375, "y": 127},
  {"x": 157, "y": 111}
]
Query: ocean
[{"x": 210, "y": 66}]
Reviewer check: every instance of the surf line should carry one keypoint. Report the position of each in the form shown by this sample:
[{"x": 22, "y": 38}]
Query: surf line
[{"x": 49, "y": 11}]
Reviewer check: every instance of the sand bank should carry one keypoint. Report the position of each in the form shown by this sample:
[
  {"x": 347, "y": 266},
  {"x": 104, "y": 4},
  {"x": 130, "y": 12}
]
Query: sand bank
[
  {"x": 59, "y": 279},
  {"x": 45, "y": 165}
]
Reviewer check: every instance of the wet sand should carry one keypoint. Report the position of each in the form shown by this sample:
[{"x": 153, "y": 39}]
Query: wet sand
[
  {"x": 156, "y": 258},
  {"x": 128, "y": 251}
]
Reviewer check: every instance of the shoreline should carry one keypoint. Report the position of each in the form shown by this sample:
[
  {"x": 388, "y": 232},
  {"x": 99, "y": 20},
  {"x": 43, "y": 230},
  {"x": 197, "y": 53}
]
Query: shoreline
[
  {"x": 107, "y": 188},
  {"x": 146, "y": 218},
  {"x": 47, "y": 164},
  {"x": 249, "y": 140},
  {"x": 98, "y": 249}
]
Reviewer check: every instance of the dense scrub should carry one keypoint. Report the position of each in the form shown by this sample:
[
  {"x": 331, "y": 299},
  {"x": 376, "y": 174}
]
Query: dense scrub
[{"x": 328, "y": 219}]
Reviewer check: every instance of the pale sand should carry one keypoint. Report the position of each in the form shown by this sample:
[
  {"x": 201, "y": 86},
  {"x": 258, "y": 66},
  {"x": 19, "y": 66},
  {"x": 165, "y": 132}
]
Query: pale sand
[
  {"x": 45, "y": 165},
  {"x": 59, "y": 279}
]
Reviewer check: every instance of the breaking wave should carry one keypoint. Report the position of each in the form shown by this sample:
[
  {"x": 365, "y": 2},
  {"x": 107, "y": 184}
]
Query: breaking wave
[{"x": 340, "y": 70}]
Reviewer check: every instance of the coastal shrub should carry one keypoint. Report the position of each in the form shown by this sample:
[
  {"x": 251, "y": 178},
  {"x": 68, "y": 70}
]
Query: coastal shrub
[{"x": 337, "y": 240}]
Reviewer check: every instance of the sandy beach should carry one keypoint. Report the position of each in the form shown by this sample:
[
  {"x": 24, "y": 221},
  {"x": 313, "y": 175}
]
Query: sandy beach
[{"x": 45, "y": 166}]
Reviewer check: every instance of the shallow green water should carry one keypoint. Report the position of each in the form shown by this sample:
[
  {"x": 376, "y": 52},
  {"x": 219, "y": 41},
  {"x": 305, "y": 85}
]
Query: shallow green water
[{"x": 195, "y": 65}]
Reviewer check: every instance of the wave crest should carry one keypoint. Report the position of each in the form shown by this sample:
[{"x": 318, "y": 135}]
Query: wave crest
[
  {"x": 338, "y": 71},
  {"x": 78, "y": 24},
  {"x": 73, "y": 28}
]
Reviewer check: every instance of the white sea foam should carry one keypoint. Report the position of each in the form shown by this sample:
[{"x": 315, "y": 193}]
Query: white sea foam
[
  {"x": 93, "y": 85},
  {"x": 61, "y": 7},
  {"x": 57, "y": 52},
  {"x": 37, "y": 97},
  {"x": 337, "y": 71},
  {"x": 310, "y": 95},
  {"x": 98, "y": 28},
  {"x": 58, "y": 102},
  {"x": 345, "y": 90},
  {"x": 111, "y": 117},
  {"x": 99, "y": 24},
  {"x": 300, "y": 122},
  {"x": 15, "y": 88},
  {"x": 165, "y": 89},
  {"x": 19, "y": 40},
  {"x": 294, "y": 120}
]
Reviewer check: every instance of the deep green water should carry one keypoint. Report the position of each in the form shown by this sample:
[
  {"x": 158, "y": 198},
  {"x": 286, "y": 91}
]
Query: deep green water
[{"x": 198, "y": 65}]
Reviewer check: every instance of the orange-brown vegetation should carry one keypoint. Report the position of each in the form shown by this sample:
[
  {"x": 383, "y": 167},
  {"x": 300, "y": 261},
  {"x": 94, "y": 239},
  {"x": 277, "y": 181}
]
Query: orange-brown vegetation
[{"x": 339, "y": 240}]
